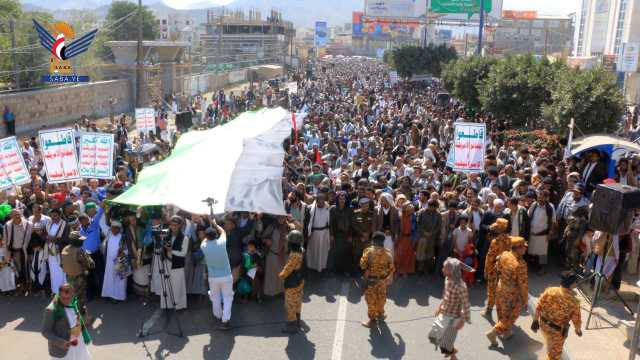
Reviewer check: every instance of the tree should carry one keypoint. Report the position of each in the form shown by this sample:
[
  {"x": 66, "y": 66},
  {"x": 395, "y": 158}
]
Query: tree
[
  {"x": 31, "y": 58},
  {"x": 591, "y": 97},
  {"x": 127, "y": 29},
  {"x": 34, "y": 61},
  {"x": 516, "y": 88},
  {"x": 410, "y": 60},
  {"x": 463, "y": 76}
]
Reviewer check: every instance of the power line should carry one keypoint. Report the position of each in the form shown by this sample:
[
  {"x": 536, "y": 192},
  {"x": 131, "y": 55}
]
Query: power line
[{"x": 105, "y": 29}]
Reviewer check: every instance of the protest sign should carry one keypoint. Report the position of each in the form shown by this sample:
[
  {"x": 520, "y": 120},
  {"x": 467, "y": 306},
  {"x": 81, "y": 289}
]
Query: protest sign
[
  {"x": 469, "y": 147},
  {"x": 96, "y": 155},
  {"x": 59, "y": 153},
  {"x": 393, "y": 77},
  {"x": 13, "y": 170},
  {"x": 145, "y": 121},
  {"x": 293, "y": 87}
]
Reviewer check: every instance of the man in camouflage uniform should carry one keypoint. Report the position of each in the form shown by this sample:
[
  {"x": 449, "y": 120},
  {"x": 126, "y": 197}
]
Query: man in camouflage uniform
[
  {"x": 513, "y": 289},
  {"x": 293, "y": 282},
  {"x": 377, "y": 264},
  {"x": 499, "y": 244},
  {"x": 577, "y": 224},
  {"x": 556, "y": 307},
  {"x": 429, "y": 223},
  {"x": 76, "y": 263},
  {"x": 363, "y": 228}
]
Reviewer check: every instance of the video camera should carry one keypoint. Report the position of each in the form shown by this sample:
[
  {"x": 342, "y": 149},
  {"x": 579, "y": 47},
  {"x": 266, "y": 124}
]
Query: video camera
[{"x": 160, "y": 236}]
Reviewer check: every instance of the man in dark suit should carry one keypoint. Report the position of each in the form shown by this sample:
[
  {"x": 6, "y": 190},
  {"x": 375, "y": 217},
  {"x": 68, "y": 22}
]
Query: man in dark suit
[{"x": 593, "y": 172}]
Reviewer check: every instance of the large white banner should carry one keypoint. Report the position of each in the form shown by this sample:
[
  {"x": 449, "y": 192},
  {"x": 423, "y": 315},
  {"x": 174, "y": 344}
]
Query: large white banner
[
  {"x": 59, "y": 153},
  {"x": 145, "y": 121},
  {"x": 469, "y": 147},
  {"x": 629, "y": 57},
  {"x": 96, "y": 155},
  {"x": 394, "y": 8},
  {"x": 13, "y": 170}
]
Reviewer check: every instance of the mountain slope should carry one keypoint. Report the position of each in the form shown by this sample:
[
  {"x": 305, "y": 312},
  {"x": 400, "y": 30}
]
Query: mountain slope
[{"x": 303, "y": 13}]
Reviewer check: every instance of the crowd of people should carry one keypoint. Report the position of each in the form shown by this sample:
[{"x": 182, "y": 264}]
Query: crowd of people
[{"x": 367, "y": 192}]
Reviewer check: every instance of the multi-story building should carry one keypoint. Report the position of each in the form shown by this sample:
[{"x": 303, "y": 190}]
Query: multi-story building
[
  {"x": 520, "y": 32},
  {"x": 233, "y": 40},
  {"x": 604, "y": 25},
  {"x": 175, "y": 25}
]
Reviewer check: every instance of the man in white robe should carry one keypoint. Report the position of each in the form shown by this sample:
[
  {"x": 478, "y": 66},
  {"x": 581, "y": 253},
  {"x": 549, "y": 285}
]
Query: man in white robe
[
  {"x": 113, "y": 285},
  {"x": 319, "y": 242},
  {"x": 542, "y": 215},
  {"x": 176, "y": 291}
]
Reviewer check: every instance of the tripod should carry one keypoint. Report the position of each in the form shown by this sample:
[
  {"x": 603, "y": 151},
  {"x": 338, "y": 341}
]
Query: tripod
[
  {"x": 599, "y": 279},
  {"x": 166, "y": 298}
]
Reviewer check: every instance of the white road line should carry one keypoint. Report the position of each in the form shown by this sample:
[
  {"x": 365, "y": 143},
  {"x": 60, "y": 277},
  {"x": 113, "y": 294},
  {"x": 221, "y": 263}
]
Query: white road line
[{"x": 338, "y": 338}]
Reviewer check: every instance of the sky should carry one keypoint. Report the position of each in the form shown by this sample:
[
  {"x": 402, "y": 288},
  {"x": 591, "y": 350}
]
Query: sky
[{"x": 545, "y": 7}]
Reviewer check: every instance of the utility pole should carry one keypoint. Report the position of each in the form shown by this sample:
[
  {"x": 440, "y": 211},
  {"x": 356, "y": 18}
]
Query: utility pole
[
  {"x": 546, "y": 38},
  {"x": 139, "y": 62},
  {"x": 220, "y": 38},
  {"x": 466, "y": 42},
  {"x": 480, "y": 28},
  {"x": 14, "y": 56}
]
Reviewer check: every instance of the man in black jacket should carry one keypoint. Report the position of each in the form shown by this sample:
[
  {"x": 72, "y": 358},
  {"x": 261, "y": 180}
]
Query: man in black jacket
[{"x": 593, "y": 172}]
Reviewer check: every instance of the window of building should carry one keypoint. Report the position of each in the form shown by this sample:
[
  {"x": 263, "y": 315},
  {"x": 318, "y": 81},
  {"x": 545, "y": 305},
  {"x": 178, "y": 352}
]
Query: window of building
[
  {"x": 164, "y": 21},
  {"x": 620, "y": 26}
]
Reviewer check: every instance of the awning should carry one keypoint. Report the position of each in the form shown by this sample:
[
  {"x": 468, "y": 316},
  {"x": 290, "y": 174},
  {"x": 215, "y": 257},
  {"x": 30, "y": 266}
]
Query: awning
[{"x": 239, "y": 164}]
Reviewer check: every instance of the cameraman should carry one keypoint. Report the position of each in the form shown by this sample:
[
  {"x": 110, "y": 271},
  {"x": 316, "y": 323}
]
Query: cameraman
[
  {"x": 175, "y": 251},
  {"x": 214, "y": 248}
]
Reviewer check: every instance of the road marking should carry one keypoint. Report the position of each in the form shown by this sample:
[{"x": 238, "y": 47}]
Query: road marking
[{"x": 338, "y": 338}]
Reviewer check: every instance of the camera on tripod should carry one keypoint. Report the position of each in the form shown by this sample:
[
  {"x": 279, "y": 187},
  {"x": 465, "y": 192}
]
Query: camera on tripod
[{"x": 160, "y": 236}]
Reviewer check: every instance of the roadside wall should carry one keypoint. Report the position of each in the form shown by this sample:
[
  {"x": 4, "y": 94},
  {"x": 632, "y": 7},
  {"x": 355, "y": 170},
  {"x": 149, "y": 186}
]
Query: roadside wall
[{"x": 58, "y": 106}]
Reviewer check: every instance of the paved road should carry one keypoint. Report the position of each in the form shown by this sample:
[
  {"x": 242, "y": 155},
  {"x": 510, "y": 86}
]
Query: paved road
[{"x": 333, "y": 309}]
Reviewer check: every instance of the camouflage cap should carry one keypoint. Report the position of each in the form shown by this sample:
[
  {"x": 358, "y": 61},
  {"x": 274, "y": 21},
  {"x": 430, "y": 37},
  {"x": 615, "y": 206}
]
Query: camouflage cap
[{"x": 75, "y": 236}]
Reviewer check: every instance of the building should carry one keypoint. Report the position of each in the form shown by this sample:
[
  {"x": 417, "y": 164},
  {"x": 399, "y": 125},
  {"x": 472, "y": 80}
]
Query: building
[
  {"x": 175, "y": 25},
  {"x": 604, "y": 25},
  {"x": 604, "y": 28},
  {"x": 521, "y": 32},
  {"x": 233, "y": 40}
]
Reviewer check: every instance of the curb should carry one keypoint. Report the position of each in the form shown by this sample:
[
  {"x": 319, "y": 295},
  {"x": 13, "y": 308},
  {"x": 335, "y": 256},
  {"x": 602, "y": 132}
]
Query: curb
[{"x": 531, "y": 307}]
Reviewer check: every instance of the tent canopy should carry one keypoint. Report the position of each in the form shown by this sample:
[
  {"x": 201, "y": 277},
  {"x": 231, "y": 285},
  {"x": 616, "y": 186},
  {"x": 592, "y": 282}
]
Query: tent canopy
[
  {"x": 240, "y": 165},
  {"x": 595, "y": 141},
  {"x": 612, "y": 146}
]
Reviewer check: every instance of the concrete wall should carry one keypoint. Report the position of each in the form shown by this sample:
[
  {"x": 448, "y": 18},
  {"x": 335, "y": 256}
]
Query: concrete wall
[{"x": 58, "y": 106}]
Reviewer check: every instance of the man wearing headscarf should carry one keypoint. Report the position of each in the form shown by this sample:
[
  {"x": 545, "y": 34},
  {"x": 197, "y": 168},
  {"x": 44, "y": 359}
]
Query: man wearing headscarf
[
  {"x": 429, "y": 223},
  {"x": 387, "y": 220},
  {"x": 454, "y": 310},
  {"x": 556, "y": 307},
  {"x": 378, "y": 268},
  {"x": 513, "y": 289},
  {"x": 114, "y": 285},
  {"x": 317, "y": 224},
  {"x": 500, "y": 243},
  {"x": 340, "y": 220},
  {"x": 363, "y": 227}
]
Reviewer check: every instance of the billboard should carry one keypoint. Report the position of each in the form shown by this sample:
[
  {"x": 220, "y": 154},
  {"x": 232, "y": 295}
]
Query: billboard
[
  {"x": 629, "y": 57},
  {"x": 383, "y": 28},
  {"x": 519, "y": 15},
  {"x": 394, "y": 8},
  {"x": 459, "y": 6},
  {"x": 321, "y": 34},
  {"x": 357, "y": 19}
]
